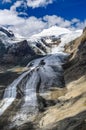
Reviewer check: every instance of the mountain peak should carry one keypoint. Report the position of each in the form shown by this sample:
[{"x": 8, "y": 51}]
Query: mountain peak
[
  {"x": 9, "y": 33},
  {"x": 54, "y": 30}
]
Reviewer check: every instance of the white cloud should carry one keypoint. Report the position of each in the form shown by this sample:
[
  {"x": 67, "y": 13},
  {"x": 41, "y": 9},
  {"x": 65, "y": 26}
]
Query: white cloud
[
  {"x": 6, "y": 1},
  {"x": 75, "y": 20},
  {"x": 55, "y": 20},
  {"x": 20, "y": 25},
  {"x": 59, "y": 21},
  {"x": 33, "y": 25},
  {"x": 80, "y": 25},
  {"x": 38, "y": 3},
  {"x": 29, "y": 27},
  {"x": 30, "y": 3},
  {"x": 19, "y": 4},
  {"x": 7, "y": 17},
  {"x": 15, "y": 5}
]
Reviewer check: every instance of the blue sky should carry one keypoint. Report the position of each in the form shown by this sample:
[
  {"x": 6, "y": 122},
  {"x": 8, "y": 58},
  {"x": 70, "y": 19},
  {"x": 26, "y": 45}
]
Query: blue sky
[
  {"x": 41, "y": 14},
  {"x": 65, "y": 8}
]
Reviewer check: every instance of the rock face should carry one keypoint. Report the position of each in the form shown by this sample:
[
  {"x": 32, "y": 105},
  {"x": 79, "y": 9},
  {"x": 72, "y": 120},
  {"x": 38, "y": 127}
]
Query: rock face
[
  {"x": 8, "y": 33},
  {"x": 2, "y": 49},
  {"x": 77, "y": 63},
  {"x": 17, "y": 53},
  {"x": 50, "y": 94},
  {"x": 14, "y": 50}
]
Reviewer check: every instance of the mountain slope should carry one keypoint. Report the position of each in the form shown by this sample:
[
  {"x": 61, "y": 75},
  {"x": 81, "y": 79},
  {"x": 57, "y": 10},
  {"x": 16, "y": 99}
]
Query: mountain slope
[
  {"x": 54, "y": 38},
  {"x": 71, "y": 108},
  {"x": 51, "y": 90}
]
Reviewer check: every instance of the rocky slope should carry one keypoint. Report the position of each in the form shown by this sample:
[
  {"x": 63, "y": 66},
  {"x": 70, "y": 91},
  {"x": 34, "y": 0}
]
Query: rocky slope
[
  {"x": 13, "y": 50},
  {"x": 70, "y": 111},
  {"x": 50, "y": 94}
]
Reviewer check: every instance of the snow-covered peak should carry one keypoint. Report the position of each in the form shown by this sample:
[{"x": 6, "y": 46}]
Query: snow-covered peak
[
  {"x": 7, "y": 37},
  {"x": 56, "y": 35},
  {"x": 51, "y": 40},
  {"x": 7, "y": 32},
  {"x": 52, "y": 31}
]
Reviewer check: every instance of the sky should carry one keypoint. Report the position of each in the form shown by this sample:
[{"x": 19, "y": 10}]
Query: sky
[{"x": 28, "y": 17}]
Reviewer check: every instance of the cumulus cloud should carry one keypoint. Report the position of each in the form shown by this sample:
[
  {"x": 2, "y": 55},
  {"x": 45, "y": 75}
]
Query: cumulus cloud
[
  {"x": 6, "y": 1},
  {"x": 15, "y": 5},
  {"x": 80, "y": 25},
  {"x": 29, "y": 27},
  {"x": 61, "y": 22},
  {"x": 33, "y": 25},
  {"x": 39, "y": 3},
  {"x": 31, "y": 3},
  {"x": 22, "y": 10},
  {"x": 75, "y": 20},
  {"x": 7, "y": 17},
  {"x": 55, "y": 20}
]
